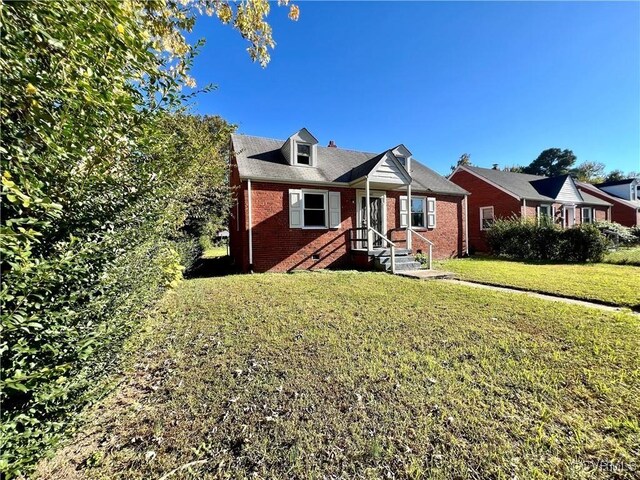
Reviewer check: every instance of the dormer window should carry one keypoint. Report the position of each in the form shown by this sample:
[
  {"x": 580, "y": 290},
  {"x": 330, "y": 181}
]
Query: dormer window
[{"x": 303, "y": 155}]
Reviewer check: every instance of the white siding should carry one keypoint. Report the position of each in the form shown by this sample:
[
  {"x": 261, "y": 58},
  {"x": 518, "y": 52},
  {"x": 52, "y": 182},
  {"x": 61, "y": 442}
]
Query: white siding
[
  {"x": 387, "y": 172},
  {"x": 620, "y": 191},
  {"x": 569, "y": 193}
]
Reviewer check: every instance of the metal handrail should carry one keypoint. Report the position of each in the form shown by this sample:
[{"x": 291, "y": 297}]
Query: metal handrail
[
  {"x": 426, "y": 240},
  {"x": 393, "y": 247}
]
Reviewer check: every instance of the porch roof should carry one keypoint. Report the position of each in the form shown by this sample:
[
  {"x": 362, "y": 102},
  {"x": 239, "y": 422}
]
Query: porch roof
[{"x": 261, "y": 159}]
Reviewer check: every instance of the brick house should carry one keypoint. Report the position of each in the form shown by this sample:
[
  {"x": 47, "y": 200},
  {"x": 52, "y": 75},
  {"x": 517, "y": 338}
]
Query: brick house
[
  {"x": 301, "y": 206},
  {"x": 499, "y": 194},
  {"x": 624, "y": 196}
]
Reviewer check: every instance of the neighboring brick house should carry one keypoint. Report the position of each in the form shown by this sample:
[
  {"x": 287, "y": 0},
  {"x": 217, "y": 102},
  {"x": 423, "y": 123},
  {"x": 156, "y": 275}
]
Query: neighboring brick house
[
  {"x": 301, "y": 206},
  {"x": 499, "y": 194},
  {"x": 624, "y": 196}
]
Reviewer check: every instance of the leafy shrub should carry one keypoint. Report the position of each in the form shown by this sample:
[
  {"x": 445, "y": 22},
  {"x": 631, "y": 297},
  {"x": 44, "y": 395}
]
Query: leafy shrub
[
  {"x": 546, "y": 241},
  {"x": 583, "y": 243},
  {"x": 618, "y": 233},
  {"x": 422, "y": 258},
  {"x": 106, "y": 187}
]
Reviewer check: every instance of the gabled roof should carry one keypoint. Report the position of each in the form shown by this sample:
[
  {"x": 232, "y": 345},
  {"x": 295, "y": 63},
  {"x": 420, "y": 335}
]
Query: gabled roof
[
  {"x": 550, "y": 186},
  {"x": 261, "y": 159},
  {"x": 616, "y": 182},
  {"x": 370, "y": 166},
  {"x": 528, "y": 187},
  {"x": 584, "y": 187}
]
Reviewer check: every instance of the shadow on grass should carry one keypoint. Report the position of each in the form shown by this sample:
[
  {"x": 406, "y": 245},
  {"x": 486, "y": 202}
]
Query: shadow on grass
[{"x": 212, "y": 267}]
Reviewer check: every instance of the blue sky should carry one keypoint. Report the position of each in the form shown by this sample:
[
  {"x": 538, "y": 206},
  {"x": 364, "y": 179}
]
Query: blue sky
[{"x": 501, "y": 81}]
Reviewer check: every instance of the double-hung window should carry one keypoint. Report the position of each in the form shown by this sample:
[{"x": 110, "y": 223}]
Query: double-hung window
[
  {"x": 544, "y": 211},
  {"x": 422, "y": 210},
  {"x": 486, "y": 218},
  {"x": 303, "y": 154},
  {"x": 418, "y": 212},
  {"x": 314, "y": 209},
  {"x": 587, "y": 215}
]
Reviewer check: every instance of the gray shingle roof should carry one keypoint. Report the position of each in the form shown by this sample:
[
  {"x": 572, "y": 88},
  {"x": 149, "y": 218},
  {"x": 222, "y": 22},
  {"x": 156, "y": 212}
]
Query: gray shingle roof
[
  {"x": 531, "y": 187},
  {"x": 261, "y": 158}
]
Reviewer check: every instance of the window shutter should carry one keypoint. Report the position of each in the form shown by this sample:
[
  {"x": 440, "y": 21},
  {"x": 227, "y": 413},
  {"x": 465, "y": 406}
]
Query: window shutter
[
  {"x": 334, "y": 210},
  {"x": 431, "y": 212},
  {"x": 295, "y": 208},
  {"x": 404, "y": 211}
]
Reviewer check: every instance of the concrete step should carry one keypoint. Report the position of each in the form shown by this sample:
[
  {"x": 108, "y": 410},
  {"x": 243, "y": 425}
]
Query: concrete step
[
  {"x": 402, "y": 263},
  {"x": 399, "y": 260},
  {"x": 387, "y": 252}
]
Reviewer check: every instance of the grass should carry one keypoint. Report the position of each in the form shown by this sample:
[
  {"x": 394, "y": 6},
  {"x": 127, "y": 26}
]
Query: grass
[
  {"x": 215, "y": 252},
  {"x": 366, "y": 375},
  {"x": 624, "y": 256},
  {"x": 613, "y": 284}
]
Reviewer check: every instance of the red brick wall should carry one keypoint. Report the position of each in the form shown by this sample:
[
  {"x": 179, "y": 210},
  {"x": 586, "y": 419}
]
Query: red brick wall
[
  {"x": 620, "y": 213},
  {"x": 484, "y": 194},
  {"x": 238, "y": 235},
  {"x": 276, "y": 247}
]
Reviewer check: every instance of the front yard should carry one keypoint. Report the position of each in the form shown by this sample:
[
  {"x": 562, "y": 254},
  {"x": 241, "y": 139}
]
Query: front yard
[
  {"x": 366, "y": 375},
  {"x": 624, "y": 256},
  {"x": 613, "y": 284}
]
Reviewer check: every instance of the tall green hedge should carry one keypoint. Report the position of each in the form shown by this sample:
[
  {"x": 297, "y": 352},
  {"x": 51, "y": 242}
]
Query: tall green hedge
[
  {"x": 106, "y": 187},
  {"x": 546, "y": 241}
]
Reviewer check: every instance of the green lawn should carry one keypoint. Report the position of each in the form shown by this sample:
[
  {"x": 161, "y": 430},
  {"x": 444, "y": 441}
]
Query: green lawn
[
  {"x": 367, "y": 375},
  {"x": 215, "y": 252},
  {"x": 624, "y": 256},
  {"x": 615, "y": 284}
]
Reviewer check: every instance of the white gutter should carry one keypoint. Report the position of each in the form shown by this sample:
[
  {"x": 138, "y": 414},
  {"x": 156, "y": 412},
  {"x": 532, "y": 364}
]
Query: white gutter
[{"x": 250, "y": 227}]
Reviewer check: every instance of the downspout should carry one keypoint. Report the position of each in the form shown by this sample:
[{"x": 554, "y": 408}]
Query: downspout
[
  {"x": 609, "y": 213},
  {"x": 466, "y": 225},
  {"x": 524, "y": 208},
  {"x": 250, "y": 227}
]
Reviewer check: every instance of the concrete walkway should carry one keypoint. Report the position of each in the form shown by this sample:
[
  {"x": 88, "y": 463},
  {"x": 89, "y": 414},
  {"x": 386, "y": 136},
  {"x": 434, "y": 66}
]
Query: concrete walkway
[{"x": 449, "y": 278}]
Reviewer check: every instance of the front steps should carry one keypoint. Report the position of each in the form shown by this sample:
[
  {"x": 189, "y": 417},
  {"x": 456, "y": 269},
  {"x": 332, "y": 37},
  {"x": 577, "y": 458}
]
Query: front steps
[{"x": 404, "y": 260}]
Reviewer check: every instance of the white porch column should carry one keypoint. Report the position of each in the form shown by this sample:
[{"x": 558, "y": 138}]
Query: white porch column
[
  {"x": 409, "y": 242},
  {"x": 367, "y": 214}
]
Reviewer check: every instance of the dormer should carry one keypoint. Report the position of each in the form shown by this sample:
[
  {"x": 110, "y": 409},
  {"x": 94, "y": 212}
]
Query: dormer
[
  {"x": 301, "y": 149},
  {"x": 403, "y": 155}
]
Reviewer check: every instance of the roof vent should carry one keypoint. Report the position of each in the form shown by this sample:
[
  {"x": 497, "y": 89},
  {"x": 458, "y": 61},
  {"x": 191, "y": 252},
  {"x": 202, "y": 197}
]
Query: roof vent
[
  {"x": 332, "y": 144},
  {"x": 495, "y": 166}
]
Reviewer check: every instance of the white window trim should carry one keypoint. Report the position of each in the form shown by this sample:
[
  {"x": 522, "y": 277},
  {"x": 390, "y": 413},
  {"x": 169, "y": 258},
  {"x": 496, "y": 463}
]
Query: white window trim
[
  {"x": 493, "y": 216},
  {"x": 295, "y": 153},
  {"x": 590, "y": 210},
  {"x": 424, "y": 211},
  {"x": 325, "y": 194}
]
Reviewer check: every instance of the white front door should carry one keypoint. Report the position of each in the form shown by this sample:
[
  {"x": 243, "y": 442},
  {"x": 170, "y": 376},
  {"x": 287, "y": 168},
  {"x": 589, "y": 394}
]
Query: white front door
[
  {"x": 569, "y": 216},
  {"x": 377, "y": 215}
]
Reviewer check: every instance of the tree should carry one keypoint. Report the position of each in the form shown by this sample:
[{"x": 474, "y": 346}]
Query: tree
[
  {"x": 614, "y": 176},
  {"x": 551, "y": 162},
  {"x": 464, "y": 160},
  {"x": 590, "y": 172},
  {"x": 106, "y": 185}
]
